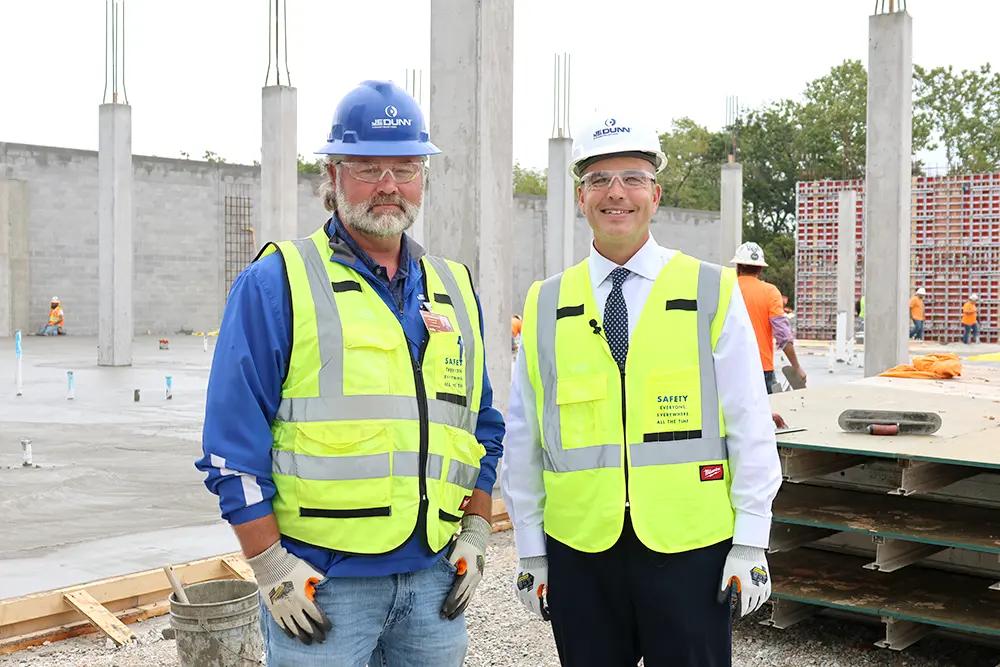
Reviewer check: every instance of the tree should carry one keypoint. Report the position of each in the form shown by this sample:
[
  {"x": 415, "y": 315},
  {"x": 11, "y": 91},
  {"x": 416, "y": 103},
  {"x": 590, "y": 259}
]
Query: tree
[
  {"x": 210, "y": 156},
  {"x": 833, "y": 120},
  {"x": 530, "y": 181},
  {"x": 306, "y": 167},
  {"x": 963, "y": 111},
  {"x": 780, "y": 254},
  {"x": 691, "y": 176}
]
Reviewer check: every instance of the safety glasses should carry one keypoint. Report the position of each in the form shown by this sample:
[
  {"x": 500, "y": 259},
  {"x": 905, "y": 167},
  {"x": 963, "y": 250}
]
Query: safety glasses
[
  {"x": 373, "y": 172},
  {"x": 631, "y": 179}
]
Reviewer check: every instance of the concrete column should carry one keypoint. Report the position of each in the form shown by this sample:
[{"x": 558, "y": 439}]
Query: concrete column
[
  {"x": 731, "y": 220},
  {"x": 114, "y": 236},
  {"x": 470, "y": 203},
  {"x": 416, "y": 232},
  {"x": 560, "y": 208},
  {"x": 847, "y": 261},
  {"x": 279, "y": 171},
  {"x": 887, "y": 200},
  {"x": 14, "y": 292}
]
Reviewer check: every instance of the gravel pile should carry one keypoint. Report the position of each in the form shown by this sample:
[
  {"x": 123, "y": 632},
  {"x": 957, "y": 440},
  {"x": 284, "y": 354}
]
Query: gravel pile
[{"x": 503, "y": 634}]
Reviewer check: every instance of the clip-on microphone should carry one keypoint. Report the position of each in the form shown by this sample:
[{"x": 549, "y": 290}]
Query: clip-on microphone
[{"x": 597, "y": 329}]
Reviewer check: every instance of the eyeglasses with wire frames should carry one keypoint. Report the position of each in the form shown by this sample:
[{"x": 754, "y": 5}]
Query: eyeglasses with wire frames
[
  {"x": 631, "y": 179},
  {"x": 374, "y": 172}
]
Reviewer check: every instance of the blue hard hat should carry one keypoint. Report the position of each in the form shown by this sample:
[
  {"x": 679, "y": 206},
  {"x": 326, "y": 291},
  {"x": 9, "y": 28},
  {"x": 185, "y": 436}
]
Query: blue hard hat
[{"x": 378, "y": 118}]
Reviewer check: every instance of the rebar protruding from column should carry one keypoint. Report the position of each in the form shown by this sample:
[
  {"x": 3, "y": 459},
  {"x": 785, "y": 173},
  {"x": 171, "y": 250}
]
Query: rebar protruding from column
[
  {"x": 561, "y": 79},
  {"x": 114, "y": 41},
  {"x": 278, "y": 34}
]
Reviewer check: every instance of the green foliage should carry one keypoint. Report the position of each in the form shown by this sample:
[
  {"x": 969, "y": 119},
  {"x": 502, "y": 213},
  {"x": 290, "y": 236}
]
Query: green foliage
[
  {"x": 210, "y": 156},
  {"x": 691, "y": 177},
  {"x": 780, "y": 254},
  {"x": 963, "y": 111},
  {"x": 306, "y": 167},
  {"x": 530, "y": 181}
]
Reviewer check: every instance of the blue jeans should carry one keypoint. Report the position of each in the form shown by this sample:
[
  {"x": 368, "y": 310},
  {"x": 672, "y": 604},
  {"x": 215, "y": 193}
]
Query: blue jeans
[
  {"x": 917, "y": 330},
  {"x": 972, "y": 329},
  {"x": 391, "y": 621}
]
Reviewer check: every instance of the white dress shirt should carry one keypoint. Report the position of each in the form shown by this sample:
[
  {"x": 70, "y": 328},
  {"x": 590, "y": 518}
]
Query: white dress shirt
[{"x": 753, "y": 453}]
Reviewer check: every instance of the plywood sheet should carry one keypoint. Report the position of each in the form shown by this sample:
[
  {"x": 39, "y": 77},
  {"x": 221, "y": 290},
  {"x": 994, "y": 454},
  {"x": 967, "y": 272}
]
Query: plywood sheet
[
  {"x": 969, "y": 435},
  {"x": 839, "y": 581},
  {"x": 898, "y": 517}
]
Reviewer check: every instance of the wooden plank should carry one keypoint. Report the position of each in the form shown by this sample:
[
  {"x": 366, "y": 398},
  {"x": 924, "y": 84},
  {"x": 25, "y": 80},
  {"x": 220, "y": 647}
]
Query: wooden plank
[
  {"x": 103, "y": 619},
  {"x": 839, "y": 581},
  {"x": 894, "y": 517},
  {"x": 60, "y": 632},
  {"x": 42, "y": 611},
  {"x": 969, "y": 435},
  {"x": 499, "y": 510},
  {"x": 238, "y": 566}
]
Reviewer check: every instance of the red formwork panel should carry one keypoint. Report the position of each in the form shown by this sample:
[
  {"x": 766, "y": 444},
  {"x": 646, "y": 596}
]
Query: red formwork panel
[{"x": 955, "y": 252}]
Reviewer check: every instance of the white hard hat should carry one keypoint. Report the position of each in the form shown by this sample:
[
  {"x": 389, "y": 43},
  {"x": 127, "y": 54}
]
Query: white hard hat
[
  {"x": 607, "y": 136},
  {"x": 921, "y": 292},
  {"x": 54, "y": 299},
  {"x": 750, "y": 254},
  {"x": 974, "y": 297}
]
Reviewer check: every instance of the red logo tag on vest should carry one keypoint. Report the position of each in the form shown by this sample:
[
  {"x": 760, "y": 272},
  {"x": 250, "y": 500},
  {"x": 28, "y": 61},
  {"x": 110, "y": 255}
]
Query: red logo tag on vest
[
  {"x": 711, "y": 473},
  {"x": 465, "y": 502}
]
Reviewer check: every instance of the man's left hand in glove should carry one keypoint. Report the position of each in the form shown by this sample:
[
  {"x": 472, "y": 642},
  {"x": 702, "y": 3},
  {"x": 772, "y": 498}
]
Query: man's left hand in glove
[
  {"x": 746, "y": 570},
  {"x": 468, "y": 554}
]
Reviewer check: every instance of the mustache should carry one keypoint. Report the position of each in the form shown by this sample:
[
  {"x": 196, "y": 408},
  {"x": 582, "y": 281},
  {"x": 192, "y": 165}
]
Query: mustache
[{"x": 387, "y": 200}]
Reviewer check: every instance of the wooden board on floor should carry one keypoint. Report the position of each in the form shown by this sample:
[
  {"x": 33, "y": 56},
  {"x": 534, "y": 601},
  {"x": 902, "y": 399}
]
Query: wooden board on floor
[
  {"x": 898, "y": 517},
  {"x": 99, "y": 616},
  {"x": 969, "y": 435},
  {"x": 839, "y": 581}
]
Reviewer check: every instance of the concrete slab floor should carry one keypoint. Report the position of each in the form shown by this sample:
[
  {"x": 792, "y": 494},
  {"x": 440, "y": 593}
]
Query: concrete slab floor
[{"x": 115, "y": 479}]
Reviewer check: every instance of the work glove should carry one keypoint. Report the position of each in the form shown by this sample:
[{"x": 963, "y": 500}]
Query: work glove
[
  {"x": 532, "y": 585},
  {"x": 746, "y": 570},
  {"x": 288, "y": 585},
  {"x": 468, "y": 554}
]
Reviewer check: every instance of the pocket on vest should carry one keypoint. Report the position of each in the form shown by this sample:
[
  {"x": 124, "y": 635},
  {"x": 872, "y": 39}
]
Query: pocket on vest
[
  {"x": 581, "y": 403},
  {"x": 370, "y": 360},
  {"x": 672, "y": 403}
]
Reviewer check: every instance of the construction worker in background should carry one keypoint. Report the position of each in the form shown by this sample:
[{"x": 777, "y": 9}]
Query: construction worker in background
[
  {"x": 57, "y": 319},
  {"x": 970, "y": 320},
  {"x": 917, "y": 314},
  {"x": 348, "y": 454},
  {"x": 640, "y": 457},
  {"x": 767, "y": 314},
  {"x": 515, "y": 333}
]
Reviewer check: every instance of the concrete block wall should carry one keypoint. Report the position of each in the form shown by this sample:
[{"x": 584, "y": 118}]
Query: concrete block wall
[{"x": 179, "y": 236}]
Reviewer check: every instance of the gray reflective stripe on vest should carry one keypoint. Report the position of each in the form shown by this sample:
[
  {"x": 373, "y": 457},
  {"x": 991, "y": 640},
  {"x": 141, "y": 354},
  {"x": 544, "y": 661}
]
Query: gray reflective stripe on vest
[
  {"x": 332, "y": 404},
  {"x": 464, "y": 323},
  {"x": 462, "y": 474},
  {"x": 710, "y": 447},
  {"x": 345, "y": 468},
  {"x": 345, "y": 408},
  {"x": 554, "y": 457}
]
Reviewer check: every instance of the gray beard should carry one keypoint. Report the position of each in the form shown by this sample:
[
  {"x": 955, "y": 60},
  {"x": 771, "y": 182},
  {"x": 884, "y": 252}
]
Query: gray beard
[{"x": 360, "y": 217}]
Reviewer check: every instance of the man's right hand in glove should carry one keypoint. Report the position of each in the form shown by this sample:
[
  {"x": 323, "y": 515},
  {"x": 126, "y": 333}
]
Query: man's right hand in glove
[
  {"x": 288, "y": 585},
  {"x": 532, "y": 585}
]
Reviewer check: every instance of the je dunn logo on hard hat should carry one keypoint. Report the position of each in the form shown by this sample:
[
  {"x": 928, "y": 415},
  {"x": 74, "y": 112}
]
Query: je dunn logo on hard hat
[
  {"x": 390, "y": 119},
  {"x": 611, "y": 126}
]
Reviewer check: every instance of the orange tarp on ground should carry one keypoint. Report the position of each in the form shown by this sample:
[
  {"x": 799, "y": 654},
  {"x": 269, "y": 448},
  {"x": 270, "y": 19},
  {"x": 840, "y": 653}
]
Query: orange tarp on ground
[{"x": 928, "y": 366}]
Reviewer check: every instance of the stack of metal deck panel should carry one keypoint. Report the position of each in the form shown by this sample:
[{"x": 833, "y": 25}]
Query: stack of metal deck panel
[{"x": 904, "y": 528}]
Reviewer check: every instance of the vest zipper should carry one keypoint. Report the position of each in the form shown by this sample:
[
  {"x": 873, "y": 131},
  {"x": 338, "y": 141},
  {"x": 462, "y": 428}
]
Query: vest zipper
[
  {"x": 418, "y": 380},
  {"x": 625, "y": 440}
]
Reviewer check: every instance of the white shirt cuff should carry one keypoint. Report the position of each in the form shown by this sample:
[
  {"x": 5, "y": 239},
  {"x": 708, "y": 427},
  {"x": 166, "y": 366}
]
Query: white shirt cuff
[
  {"x": 752, "y": 530},
  {"x": 530, "y": 541}
]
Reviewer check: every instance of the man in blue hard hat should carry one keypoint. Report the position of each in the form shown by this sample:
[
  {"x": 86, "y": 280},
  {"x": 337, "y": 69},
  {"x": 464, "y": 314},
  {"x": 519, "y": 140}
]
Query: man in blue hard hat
[{"x": 349, "y": 428}]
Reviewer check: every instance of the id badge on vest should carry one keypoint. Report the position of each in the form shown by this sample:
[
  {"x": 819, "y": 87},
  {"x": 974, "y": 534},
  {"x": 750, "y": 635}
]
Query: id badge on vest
[{"x": 450, "y": 350}]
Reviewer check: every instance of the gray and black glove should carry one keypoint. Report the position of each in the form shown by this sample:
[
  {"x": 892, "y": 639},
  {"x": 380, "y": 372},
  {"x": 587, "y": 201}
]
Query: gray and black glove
[{"x": 288, "y": 585}]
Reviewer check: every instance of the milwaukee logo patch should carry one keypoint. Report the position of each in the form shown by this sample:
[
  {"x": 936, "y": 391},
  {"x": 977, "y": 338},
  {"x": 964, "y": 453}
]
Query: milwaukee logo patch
[
  {"x": 465, "y": 502},
  {"x": 711, "y": 473}
]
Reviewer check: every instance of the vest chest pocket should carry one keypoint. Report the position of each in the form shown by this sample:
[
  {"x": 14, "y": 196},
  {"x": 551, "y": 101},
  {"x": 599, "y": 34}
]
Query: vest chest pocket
[
  {"x": 581, "y": 403},
  {"x": 672, "y": 401},
  {"x": 372, "y": 360},
  {"x": 450, "y": 350}
]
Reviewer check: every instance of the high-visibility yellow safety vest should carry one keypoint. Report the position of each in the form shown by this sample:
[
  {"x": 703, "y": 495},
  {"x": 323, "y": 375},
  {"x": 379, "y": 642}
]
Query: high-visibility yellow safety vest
[
  {"x": 367, "y": 439},
  {"x": 651, "y": 438}
]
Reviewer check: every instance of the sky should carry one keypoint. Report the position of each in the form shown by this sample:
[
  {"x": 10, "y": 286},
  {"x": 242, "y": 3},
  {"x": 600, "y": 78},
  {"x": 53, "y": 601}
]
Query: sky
[{"x": 194, "y": 68}]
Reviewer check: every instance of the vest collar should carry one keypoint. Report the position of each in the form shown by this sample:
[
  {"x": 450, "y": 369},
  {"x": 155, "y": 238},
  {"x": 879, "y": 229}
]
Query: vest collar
[{"x": 347, "y": 251}]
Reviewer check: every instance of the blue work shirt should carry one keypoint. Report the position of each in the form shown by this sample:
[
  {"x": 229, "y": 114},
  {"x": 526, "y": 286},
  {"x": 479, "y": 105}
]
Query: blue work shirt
[{"x": 244, "y": 390}]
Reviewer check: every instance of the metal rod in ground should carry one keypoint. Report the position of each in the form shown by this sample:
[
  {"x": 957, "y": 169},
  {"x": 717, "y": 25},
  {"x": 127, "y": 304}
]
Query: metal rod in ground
[
  {"x": 170, "y": 388},
  {"x": 26, "y": 452},
  {"x": 18, "y": 378},
  {"x": 70, "y": 392}
]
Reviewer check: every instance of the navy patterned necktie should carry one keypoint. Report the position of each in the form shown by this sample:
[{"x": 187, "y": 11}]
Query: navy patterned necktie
[{"x": 616, "y": 318}]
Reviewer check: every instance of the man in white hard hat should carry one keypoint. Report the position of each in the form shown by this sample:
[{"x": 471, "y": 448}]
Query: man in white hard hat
[
  {"x": 57, "y": 319},
  {"x": 640, "y": 453},
  {"x": 917, "y": 314},
  {"x": 970, "y": 320},
  {"x": 767, "y": 312}
]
